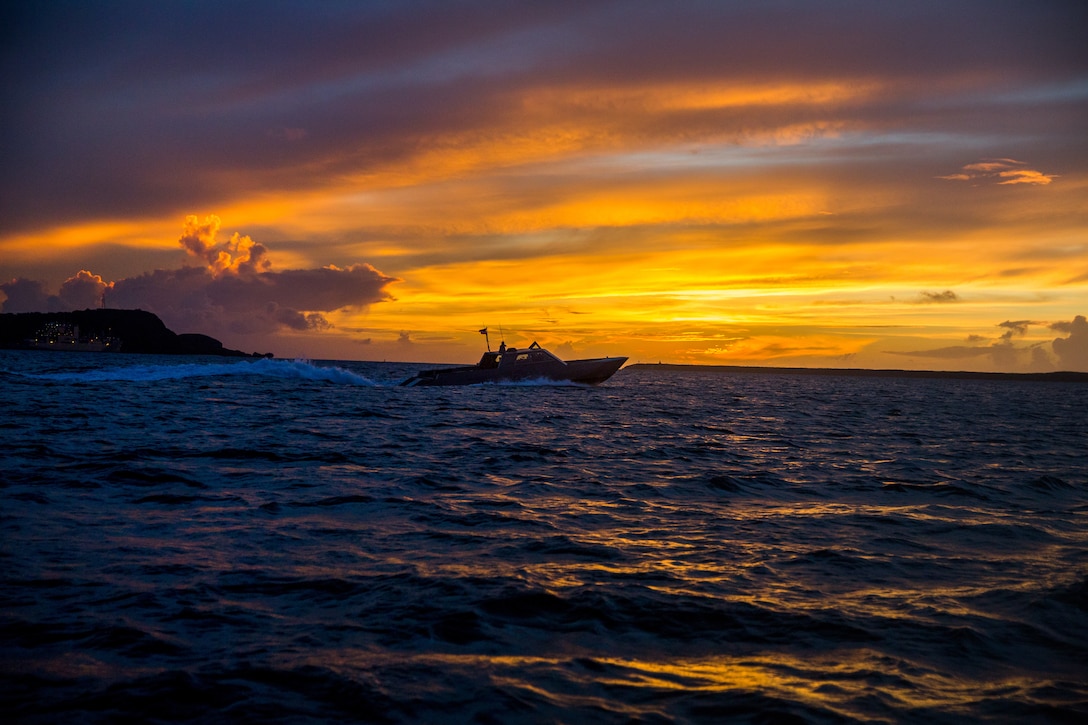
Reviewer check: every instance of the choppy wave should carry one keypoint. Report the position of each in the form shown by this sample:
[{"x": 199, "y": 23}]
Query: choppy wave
[
  {"x": 269, "y": 368},
  {"x": 665, "y": 547},
  {"x": 282, "y": 369}
]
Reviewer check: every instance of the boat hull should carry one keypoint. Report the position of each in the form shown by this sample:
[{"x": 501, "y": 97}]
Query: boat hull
[{"x": 584, "y": 372}]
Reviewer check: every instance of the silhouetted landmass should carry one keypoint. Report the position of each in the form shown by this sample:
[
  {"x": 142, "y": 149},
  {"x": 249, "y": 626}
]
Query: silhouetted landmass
[
  {"x": 1062, "y": 376},
  {"x": 125, "y": 330}
]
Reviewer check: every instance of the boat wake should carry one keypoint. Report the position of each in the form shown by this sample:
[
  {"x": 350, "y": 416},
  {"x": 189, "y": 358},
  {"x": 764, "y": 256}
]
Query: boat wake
[
  {"x": 282, "y": 369},
  {"x": 536, "y": 383}
]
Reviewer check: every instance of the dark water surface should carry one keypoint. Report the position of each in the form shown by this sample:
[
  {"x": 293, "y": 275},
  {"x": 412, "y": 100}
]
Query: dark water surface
[{"x": 199, "y": 541}]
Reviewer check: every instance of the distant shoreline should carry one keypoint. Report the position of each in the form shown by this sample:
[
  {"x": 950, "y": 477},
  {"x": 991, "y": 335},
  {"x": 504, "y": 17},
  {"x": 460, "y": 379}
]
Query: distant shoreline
[
  {"x": 1061, "y": 376},
  {"x": 105, "y": 331}
]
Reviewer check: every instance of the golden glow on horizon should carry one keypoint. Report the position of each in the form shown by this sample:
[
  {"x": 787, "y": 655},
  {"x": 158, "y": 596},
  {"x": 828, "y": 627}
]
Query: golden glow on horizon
[
  {"x": 714, "y": 286},
  {"x": 591, "y": 217},
  {"x": 58, "y": 242}
]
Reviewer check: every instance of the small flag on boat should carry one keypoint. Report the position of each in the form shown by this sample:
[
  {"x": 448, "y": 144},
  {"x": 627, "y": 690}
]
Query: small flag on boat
[{"x": 483, "y": 331}]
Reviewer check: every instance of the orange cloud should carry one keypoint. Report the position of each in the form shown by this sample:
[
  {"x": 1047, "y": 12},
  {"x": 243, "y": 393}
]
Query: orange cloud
[
  {"x": 238, "y": 256},
  {"x": 1001, "y": 171}
]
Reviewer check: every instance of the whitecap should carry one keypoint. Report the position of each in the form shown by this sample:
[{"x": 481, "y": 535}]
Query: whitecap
[{"x": 265, "y": 367}]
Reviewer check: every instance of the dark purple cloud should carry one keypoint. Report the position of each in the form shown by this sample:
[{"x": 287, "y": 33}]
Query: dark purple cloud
[
  {"x": 122, "y": 108},
  {"x": 27, "y": 295},
  {"x": 82, "y": 291},
  {"x": 196, "y": 299},
  {"x": 236, "y": 291}
]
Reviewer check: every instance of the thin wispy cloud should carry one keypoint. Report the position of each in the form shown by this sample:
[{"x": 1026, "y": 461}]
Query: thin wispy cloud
[{"x": 1002, "y": 172}]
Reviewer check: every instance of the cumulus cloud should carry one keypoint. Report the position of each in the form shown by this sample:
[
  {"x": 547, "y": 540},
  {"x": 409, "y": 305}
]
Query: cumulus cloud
[
  {"x": 25, "y": 295},
  {"x": 1005, "y": 355},
  {"x": 1072, "y": 351},
  {"x": 1002, "y": 350},
  {"x": 234, "y": 291},
  {"x": 199, "y": 238},
  {"x": 81, "y": 291},
  {"x": 214, "y": 299},
  {"x": 1000, "y": 171},
  {"x": 1040, "y": 360},
  {"x": 258, "y": 302},
  {"x": 241, "y": 255}
]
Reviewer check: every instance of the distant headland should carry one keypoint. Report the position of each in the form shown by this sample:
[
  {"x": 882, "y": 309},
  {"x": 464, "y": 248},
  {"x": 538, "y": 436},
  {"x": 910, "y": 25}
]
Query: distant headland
[{"x": 105, "y": 330}]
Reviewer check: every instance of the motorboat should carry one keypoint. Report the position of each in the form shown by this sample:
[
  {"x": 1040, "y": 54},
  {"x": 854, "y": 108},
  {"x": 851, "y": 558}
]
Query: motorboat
[{"x": 510, "y": 364}]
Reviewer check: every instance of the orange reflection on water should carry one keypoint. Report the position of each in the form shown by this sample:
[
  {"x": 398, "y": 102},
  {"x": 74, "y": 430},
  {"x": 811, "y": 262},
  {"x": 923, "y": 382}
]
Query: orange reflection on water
[{"x": 849, "y": 683}]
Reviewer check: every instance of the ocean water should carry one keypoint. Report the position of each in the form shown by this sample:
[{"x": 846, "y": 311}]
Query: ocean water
[{"x": 197, "y": 540}]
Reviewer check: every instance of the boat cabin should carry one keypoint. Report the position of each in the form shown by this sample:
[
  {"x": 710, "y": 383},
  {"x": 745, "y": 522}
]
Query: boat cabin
[{"x": 512, "y": 356}]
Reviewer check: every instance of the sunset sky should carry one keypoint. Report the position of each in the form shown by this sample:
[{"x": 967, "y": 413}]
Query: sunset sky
[{"x": 831, "y": 184}]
